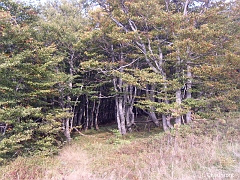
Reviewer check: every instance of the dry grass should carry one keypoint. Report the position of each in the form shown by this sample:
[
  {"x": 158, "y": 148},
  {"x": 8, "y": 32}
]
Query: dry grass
[
  {"x": 206, "y": 150},
  {"x": 70, "y": 164},
  {"x": 188, "y": 158},
  {"x": 73, "y": 163}
]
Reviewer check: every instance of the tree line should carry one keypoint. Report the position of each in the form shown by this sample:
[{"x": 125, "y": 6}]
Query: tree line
[{"x": 70, "y": 65}]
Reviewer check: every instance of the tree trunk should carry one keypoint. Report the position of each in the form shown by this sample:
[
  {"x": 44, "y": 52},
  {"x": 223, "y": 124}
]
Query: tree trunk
[
  {"x": 87, "y": 114},
  {"x": 169, "y": 122},
  {"x": 67, "y": 128},
  {"x": 164, "y": 122},
  {"x": 154, "y": 118},
  {"x": 120, "y": 115},
  {"x": 165, "y": 118},
  {"x": 96, "y": 116},
  {"x": 129, "y": 101},
  {"x": 188, "y": 92},
  {"x": 178, "y": 92},
  {"x": 120, "y": 105},
  {"x": 151, "y": 113},
  {"x": 67, "y": 131},
  {"x": 178, "y": 101},
  {"x": 93, "y": 110}
]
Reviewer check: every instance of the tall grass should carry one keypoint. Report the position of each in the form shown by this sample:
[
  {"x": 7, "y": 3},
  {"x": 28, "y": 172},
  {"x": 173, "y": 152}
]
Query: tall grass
[{"x": 204, "y": 150}]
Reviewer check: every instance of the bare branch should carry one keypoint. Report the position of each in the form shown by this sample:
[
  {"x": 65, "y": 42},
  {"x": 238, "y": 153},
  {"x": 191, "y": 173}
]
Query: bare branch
[
  {"x": 129, "y": 64},
  {"x": 118, "y": 23},
  {"x": 133, "y": 25}
]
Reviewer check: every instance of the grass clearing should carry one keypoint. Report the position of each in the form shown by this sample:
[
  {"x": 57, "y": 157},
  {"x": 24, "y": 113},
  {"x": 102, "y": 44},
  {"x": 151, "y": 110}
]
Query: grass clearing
[{"x": 203, "y": 150}]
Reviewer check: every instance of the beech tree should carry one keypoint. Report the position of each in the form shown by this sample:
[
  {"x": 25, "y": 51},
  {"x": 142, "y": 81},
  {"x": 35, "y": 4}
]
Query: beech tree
[
  {"x": 220, "y": 81},
  {"x": 70, "y": 66},
  {"x": 173, "y": 39},
  {"x": 150, "y": 32},
  {"x": 62, "y": 25},
  {"x": 27, "y": 81}
]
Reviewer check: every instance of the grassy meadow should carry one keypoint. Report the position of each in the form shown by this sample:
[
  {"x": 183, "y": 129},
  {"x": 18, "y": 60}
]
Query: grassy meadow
[{"x": 205, "y": 149}]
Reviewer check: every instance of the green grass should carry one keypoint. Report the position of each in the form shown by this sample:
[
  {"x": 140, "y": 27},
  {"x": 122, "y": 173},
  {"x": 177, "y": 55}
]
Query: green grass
[{"x": 205, "y": 149}]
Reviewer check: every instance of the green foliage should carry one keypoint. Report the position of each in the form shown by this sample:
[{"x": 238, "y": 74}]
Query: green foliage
[
  {"x": 51, "y": 61},
  {"x": 21, "y": 13},
  {"x": 27, "y": 69},
  {"x": 118, "y": 138}
]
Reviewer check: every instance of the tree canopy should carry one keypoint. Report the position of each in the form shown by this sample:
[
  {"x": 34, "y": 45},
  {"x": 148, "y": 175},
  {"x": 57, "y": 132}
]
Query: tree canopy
[{"x": 69, "y": 66}]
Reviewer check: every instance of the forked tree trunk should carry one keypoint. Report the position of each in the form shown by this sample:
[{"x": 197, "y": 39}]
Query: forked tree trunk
[
  {"x": 129, "y": 98},
  {"x": 120, "y": 115},
  {"x": 124, "y": 105},
  {"x": 120, "y": 105}
]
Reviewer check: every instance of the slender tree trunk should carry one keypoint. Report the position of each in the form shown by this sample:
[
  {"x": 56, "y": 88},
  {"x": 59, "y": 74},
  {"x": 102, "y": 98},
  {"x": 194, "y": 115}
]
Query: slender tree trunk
[
  {"x": 127, "y": 112},
  {"x": 178, "y": 101},
  {"x": 164, "y": 122},
  {"x": 74, "y": 118},
  {"x": 122, "y": 113},
  {"x": 118, "y": 115},
  {"x": 128, "y": 122},
  {"x": 87, "y": 114},
  {"x": 80, "y": 116},
  {"x": 120, "y": 106},
  {"x": 168, "y": 117},
  {"x": 93, "y": 110},
  {"x": 165, "y": 118},
  {"x": 119, "y": 99},
  {"x": 188, "y": 92},
  {"x": 68, "y": 121},
  {"x": 178, "y": 92},
  {"x": 189, "y": 74},
  {"x": 67, "y": 131},
  {"x": 129, "y": 101},
  {"x": 96, "y": 116},
  {"x": 151, "y": 112},
  {"x": 67, "y": 126}
]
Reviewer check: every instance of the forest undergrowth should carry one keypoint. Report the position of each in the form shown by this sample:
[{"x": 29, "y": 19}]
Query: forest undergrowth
[{"x": 205, "y": 149}]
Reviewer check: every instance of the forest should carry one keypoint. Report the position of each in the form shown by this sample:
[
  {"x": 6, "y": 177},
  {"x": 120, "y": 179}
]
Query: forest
[{"x": 72, "y": 66}]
